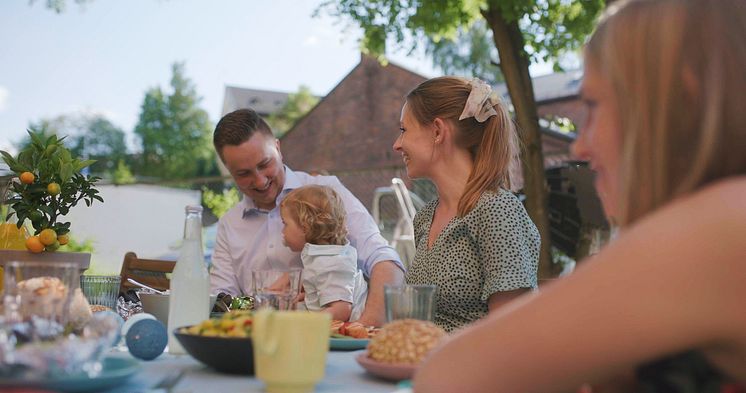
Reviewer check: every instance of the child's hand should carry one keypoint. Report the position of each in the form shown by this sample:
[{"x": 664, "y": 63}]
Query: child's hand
[
  {"x": 281, "y": 284},
  {"x": 301, "y": 296},
  {"x": 339, "y": 309}
]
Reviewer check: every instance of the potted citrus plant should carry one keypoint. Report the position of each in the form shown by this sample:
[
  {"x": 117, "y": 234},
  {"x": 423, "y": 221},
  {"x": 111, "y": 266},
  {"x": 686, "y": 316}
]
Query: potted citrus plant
[{"x": 49, "y": 183}]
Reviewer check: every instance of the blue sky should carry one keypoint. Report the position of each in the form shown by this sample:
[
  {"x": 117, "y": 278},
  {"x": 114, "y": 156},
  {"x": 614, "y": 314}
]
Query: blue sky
[{"x": 103, "y": 56}]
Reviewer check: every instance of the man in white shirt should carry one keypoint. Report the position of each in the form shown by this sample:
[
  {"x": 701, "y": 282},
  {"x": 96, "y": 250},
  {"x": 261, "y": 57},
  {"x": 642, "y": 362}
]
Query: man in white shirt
[{"x": 250, "y": 234}]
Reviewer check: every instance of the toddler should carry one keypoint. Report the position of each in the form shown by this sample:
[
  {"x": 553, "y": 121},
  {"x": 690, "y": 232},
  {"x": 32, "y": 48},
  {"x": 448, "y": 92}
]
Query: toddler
[{"x": 314, "y": 225}]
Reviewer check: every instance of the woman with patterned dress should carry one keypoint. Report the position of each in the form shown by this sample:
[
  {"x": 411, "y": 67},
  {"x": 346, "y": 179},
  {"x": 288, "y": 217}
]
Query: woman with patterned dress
[
  {"x": 663, "y": 303},
  {"x": 475, "y": 241}
]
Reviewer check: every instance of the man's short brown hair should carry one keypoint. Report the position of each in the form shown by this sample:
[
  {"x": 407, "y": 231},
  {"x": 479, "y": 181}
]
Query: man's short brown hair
[{"x": 237, "y": 127}]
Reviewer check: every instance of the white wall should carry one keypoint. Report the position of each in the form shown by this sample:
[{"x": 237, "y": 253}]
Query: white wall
[{"x": 141, "y": 218}]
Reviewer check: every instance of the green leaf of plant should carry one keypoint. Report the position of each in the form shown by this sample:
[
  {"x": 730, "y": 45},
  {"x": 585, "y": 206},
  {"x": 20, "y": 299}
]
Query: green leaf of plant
[
  {"x": 14, "y": 165},
  {"x": 36, "y": 139},
  {"x": 66, "y": 172},
  {"x": 52, "y": 140},
  {"x": 7, "y": 157},
  {"x": 21, "y": 216},
  {"x": 82, "y": 164},
  {"x": 46, "y": 209},
  {"x": 26, "y": 158},
  {"x": 65, "y": 155}
]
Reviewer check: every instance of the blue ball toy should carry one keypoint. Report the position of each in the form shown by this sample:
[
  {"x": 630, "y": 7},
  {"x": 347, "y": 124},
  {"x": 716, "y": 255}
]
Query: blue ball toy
[{"x": 147, "y": 339}]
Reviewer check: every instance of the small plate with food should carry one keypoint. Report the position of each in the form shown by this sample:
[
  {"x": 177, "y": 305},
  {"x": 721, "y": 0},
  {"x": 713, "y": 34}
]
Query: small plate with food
[
  {"x": 388, "y": 371},
  {"x": 399, "y": 348},
  {"x": 348, "y": 336}
]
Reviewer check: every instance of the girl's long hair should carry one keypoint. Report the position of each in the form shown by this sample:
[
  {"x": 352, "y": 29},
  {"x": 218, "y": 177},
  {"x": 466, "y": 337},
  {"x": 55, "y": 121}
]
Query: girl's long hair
[{"x": 677, "y": 71}]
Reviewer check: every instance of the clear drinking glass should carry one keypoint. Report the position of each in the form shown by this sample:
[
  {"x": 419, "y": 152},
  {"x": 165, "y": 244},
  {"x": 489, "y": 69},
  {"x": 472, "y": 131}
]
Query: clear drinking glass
[
  {"x": 102, "y": 290},
  {"x": 37, "y": 296},
  {"x": 276, "y": 289},
  {"x": 409, "y": 301}
]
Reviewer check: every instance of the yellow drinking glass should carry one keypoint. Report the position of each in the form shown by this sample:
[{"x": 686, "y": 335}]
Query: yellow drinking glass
[{"x": 290, "y": 349}]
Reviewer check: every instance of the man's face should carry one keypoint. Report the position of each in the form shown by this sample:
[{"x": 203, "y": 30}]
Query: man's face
[{"x": 256, "y": 167}]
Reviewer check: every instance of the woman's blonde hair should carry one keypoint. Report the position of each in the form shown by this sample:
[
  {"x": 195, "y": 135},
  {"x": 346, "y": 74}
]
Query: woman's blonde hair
[
  {"x": 493, "y": 144},
  {"x": 677, "y": 68},
  {"x": 320, "y": 213}
]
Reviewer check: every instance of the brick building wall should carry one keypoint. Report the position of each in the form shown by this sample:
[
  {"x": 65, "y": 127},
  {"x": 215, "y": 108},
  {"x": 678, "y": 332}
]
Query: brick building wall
[
  {"x": 350, "y": 133},
  {"x": 569, "y": 107}
]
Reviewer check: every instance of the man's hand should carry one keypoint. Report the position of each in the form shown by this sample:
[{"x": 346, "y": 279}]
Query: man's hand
[{"x": 384, "y": 272}]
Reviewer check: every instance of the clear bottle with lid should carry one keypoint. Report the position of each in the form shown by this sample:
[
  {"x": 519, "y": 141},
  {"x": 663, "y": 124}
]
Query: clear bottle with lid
[{"x": 189, "y": 301}]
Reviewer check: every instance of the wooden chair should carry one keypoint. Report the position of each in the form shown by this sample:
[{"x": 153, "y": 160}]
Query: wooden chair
[{"x": 151, "y": 272}]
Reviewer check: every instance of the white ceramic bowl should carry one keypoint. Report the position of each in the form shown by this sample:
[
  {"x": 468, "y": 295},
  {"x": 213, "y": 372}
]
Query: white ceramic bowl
[{"x": 156, "y": 304}]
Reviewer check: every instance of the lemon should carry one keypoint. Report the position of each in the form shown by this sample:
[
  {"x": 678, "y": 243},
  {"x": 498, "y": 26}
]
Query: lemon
[
  {"x": 53, "y": 189},
  {"x": 27, "y": 177},
  {"x": 63, "y": 239},
  {"x": 47, "y": 237},
  {"x": 34, "y": 245}
]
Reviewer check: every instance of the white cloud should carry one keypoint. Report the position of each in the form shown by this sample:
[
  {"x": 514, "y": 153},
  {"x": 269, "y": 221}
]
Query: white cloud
[
  {"x": 4, "y": 93},
  {"x": 311, "y": 40}
]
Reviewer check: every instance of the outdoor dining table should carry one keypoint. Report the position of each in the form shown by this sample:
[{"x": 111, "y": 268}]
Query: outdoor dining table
[{"x": 342, "y": 374}]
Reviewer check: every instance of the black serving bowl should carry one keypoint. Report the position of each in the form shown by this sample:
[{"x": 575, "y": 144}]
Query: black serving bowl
[{"x": 233, "y": 355}]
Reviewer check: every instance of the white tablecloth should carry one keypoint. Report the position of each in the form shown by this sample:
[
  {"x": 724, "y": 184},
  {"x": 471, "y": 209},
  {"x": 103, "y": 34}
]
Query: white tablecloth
[{"x": 342, "y": 374}]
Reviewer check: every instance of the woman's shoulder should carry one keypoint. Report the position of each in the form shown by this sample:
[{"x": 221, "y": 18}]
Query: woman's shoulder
[
  {"x": 728, "y": 195},
  {"x": 719, "y": 207},
  {"x": 501, "y": 196},
  {"x": 499, "y": 203}
]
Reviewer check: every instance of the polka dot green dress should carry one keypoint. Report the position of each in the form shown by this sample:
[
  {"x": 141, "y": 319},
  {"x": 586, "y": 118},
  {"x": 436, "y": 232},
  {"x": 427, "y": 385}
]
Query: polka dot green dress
[{"x": 493, "y": 248}]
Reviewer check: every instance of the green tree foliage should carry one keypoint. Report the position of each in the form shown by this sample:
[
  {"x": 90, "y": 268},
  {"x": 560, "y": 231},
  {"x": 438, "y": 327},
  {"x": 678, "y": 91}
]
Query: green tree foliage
[
  {"x": 220, "y": 203},
  {"x": 100, "y": 140},
  {"x": 522, "y": 30},
  {"x": 471, "y": 53},
  {"x": 175, "y": 133},
  {"x": 91, "y": 136},
  {"x": 297, "y": 105},
  {"x": 122, "y": 174}
]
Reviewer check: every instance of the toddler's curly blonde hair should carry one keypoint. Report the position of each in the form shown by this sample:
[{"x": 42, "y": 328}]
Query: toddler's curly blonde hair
[{"x": 320, "y": 212}]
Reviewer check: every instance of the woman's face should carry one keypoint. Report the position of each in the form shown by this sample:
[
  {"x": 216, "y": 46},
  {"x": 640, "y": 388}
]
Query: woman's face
[
  {"x": 415, "y": 143},
  {"x": 600, "y": 138}
]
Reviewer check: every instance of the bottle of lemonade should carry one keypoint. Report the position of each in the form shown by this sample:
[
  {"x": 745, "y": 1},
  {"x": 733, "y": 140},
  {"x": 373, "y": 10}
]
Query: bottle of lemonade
[{"x": 189, "y": 301}]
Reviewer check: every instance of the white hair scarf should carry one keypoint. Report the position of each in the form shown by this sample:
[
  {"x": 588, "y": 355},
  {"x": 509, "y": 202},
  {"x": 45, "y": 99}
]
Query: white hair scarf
[{"x": 480, "y": 102}]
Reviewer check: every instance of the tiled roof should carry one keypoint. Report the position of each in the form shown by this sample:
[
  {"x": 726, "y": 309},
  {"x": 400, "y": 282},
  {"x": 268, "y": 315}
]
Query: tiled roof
[
  {"x": 263, "y": 101},
  {"x": 550, "y": 87}
]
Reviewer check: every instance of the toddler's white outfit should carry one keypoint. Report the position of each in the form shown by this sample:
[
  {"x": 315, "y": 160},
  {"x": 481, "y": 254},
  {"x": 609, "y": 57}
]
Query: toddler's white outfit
[{"x": 330, "y": 274}]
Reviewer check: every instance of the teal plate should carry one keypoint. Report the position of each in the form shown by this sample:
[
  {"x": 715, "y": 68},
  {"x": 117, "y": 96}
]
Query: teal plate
[
  {"x": 348, "y": 344},
  {"x": 115, "y": 371}
]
